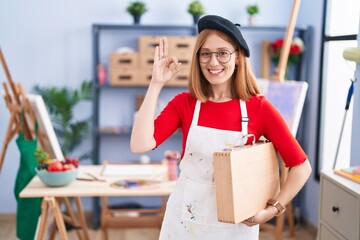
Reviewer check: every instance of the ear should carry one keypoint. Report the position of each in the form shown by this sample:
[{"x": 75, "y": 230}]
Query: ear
[{"x": 237, "y": 57}]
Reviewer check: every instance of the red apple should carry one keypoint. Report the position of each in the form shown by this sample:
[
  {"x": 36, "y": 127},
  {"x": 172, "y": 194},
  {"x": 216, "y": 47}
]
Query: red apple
[
  {"x": 68, "y": 166},
  {"x": 55, "y": 166}
]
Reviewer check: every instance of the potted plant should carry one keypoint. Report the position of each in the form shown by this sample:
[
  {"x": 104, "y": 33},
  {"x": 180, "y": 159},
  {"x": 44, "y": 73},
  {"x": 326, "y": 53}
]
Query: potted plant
[
  {"x": 60, "y": 103},
  {"x": 296, "y": 50},
  {"x": 136, "y": 9},
  {"x": 252, "y": 10},
  {"x": 196, "y": 9}
]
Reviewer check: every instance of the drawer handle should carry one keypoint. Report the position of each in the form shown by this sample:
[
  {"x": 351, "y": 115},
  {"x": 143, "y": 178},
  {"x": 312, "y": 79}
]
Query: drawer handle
[{"x": 335, "y": 209}]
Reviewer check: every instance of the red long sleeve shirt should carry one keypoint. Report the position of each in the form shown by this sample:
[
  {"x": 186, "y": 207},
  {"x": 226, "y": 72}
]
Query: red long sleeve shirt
[{"x": 264, "y": 120}]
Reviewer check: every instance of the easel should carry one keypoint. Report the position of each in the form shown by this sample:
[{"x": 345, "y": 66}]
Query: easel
[
  {"x": 279, "y": 75},
  {"x": 18, "y": 104}
]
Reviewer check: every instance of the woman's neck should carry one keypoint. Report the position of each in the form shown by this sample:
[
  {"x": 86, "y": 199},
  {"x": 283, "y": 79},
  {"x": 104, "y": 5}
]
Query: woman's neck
[{"x": 220, "y": 94}]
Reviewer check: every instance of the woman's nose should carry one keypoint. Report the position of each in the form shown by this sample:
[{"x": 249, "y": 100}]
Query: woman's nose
[{"x": 213, "y": 59}]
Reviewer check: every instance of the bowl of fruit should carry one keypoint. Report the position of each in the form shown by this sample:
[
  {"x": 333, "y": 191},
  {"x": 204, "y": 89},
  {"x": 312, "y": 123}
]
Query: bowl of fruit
[{"x": 57, "y": 173}]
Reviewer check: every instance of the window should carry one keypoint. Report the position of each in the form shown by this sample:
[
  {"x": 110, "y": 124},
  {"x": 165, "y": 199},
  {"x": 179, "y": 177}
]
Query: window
[{"x": 339, "y": 32}]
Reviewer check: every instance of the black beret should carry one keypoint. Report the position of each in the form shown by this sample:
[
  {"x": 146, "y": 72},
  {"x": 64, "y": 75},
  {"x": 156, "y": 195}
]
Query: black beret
[{"x": 225, "y": 26}]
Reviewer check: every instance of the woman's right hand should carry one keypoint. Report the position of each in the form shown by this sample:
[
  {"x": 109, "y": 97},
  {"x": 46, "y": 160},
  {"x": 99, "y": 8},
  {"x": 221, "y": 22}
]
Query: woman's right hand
[{"x": 164, "y": 67}]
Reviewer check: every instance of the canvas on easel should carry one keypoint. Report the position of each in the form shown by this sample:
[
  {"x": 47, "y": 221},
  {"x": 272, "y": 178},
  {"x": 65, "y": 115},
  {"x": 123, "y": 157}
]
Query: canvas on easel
[{"x": 50, "y": 142}]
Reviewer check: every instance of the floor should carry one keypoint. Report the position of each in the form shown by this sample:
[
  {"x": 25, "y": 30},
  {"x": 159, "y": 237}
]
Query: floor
[{"x": 8, "y": 228}]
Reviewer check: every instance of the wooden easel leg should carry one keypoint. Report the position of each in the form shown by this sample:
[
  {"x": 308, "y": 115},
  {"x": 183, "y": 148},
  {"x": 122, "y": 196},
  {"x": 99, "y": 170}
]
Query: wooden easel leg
[
  {"x": 279, "y": 226},
  {"x": 164, "y": 200},
  {"x": 82, "y": 218},
  {"x": 104, "y": 214},
  {"x": 290, "y": 215},
  {"x": 73, "y": 219},
  {"x": 43, "y": 219},
  {"x": 58, "y": 218},
  {"x": 52, "y": 231},
  {"x": 11, "y": 131},
  {"x": 3, "y": 150}
]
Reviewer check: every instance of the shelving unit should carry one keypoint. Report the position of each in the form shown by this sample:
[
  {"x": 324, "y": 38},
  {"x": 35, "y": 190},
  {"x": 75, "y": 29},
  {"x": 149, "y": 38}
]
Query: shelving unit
[
  {"x": 103, "y": 37},
  {"x": 119, "y": 100}
]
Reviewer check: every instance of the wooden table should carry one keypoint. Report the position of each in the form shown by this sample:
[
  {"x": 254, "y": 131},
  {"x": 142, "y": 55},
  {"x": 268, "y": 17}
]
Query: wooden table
[{"x": 82, "y": 188}]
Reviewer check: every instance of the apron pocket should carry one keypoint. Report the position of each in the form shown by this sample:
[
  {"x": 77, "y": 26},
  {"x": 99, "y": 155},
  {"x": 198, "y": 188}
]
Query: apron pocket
[{"x": 199, "y": 202}]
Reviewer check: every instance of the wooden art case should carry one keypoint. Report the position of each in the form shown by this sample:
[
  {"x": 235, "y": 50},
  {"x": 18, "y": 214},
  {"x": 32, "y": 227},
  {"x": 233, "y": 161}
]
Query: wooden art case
[{"x": 245, "y": 179}]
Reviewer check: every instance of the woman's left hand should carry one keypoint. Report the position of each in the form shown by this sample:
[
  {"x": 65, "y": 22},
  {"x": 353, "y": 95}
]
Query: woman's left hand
[{"x": 262, "y": 216}]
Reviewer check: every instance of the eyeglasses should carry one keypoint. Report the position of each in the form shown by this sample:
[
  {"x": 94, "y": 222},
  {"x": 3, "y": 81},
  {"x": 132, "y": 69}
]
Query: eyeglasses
[{"x": 223, "y": 56}]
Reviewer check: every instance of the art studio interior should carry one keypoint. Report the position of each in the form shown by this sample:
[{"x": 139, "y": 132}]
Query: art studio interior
[{"x": 75, "y": 75}]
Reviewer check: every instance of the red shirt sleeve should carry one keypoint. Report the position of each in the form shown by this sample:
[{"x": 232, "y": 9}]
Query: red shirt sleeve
[
  {"x": 177, "y": 115},
  {"x": 275, "y": 129}
]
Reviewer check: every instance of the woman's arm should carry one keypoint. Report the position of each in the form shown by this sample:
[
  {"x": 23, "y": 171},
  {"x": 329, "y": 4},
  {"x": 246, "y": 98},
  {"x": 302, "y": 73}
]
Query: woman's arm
[
  {"x": 297, "y": 177},
  {"x": 142, "y": 136}
]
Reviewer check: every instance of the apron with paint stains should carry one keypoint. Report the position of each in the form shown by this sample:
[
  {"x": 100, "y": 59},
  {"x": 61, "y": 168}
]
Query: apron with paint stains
[{"x": 191, "y": 209}]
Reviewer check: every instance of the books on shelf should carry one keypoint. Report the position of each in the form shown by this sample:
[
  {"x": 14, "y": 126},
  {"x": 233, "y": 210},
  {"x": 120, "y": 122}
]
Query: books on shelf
[{"x": 352, "y": 173}]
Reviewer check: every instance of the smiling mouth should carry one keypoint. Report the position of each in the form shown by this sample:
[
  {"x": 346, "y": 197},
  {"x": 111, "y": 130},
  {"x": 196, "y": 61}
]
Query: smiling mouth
[{"x": 216, "y": 71}]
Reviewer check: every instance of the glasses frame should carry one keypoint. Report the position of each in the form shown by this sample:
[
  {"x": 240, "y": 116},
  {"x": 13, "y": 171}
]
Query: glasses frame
[{"x": 217, "y": 55}]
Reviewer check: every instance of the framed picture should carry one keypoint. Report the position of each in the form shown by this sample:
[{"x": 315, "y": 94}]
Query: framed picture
[{"x": 46, "y": 131}]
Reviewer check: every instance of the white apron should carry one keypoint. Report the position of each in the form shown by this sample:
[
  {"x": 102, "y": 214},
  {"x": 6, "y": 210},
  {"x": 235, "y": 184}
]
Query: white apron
[{"x": 191, "y": 209}]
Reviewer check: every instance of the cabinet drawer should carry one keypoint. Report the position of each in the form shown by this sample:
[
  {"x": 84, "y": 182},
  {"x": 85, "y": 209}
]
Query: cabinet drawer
[
  {"x": 340, "y": 210},
  {"x": 326, "y": 234}
]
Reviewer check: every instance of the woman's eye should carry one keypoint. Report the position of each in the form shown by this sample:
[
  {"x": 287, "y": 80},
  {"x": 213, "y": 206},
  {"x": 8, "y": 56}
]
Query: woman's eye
[
  {"x": 222, "y": 53},
  {"x": 205, "y": 54}
]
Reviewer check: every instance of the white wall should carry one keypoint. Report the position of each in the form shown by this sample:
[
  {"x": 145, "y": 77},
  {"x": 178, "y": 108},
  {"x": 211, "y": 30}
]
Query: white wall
[
  {"x": 49, "y": 42},
  {"x": 355, "y": 150}
]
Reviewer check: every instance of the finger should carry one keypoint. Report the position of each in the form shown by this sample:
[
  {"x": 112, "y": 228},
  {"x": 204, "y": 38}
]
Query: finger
[
  {"x": 251, "y": 220},
  {"x": 166, "y": 47},
  {"x": 161, "y": 48},
  {"x": 177, "y": 67},
  {"x": 156, "y": 55},
  {"x": 174, "y": 63}
]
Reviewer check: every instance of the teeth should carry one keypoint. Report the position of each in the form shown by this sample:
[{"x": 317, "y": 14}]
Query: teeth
[{"x": 215, "y": 71}]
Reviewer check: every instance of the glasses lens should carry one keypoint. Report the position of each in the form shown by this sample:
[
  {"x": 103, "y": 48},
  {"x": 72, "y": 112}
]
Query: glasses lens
[
  {"x": 223, "y": 56},
  {"x": 204, "y": 56}
]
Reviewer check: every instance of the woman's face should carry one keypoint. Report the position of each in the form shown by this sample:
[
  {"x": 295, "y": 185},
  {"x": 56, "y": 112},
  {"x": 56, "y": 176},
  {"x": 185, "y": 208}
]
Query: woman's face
[{"x": 213, "y": 56}]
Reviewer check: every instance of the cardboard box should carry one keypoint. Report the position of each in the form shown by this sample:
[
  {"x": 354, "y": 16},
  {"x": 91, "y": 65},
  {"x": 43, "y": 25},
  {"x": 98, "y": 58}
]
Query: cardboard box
[
  {"x": 179, "y": 46},
  {"x": 179, "y": 80},
  {"x": 245, "y": 179},
  {"x": 147, "y": 46},
  {"x": 145, "y": 75},
  {"x": 182, "y": 46},
  {"x": 121, "y": 60},
  {"x": 124, "y": 77}
]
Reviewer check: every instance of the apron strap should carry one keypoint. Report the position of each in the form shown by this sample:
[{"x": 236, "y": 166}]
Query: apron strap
[
  {"x": 195, "y": 119},
  {"x": 244, "y": 118}
]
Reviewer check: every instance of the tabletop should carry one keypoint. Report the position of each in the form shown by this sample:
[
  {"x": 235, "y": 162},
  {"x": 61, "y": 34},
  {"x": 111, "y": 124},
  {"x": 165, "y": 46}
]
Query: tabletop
[{"x": 91, "y": 188}]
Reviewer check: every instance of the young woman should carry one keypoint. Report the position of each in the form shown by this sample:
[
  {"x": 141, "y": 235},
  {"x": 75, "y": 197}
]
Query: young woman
[{"x": 223, "y": 104}]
